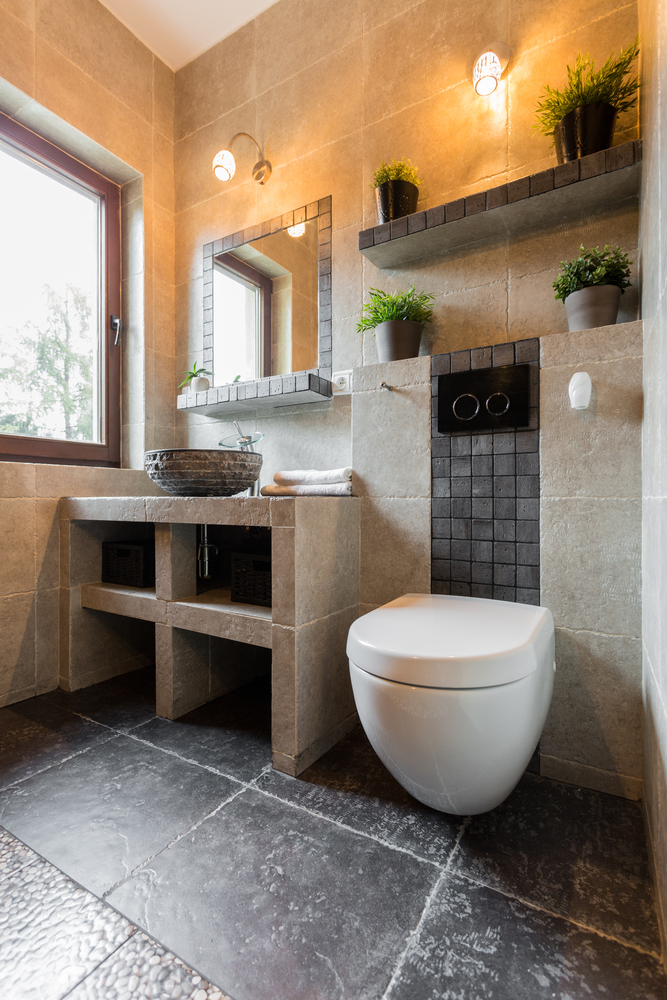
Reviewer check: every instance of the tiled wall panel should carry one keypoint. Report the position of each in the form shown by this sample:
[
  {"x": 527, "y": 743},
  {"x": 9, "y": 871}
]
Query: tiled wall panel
[{"x": 485, "y": 493}]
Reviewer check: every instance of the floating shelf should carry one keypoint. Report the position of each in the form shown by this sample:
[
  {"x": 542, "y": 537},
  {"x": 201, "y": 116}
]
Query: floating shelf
[
  {"x": 133, "y": 602},
  {"x": 602, "y": 180},
  {"x": 261, "y": 394}
]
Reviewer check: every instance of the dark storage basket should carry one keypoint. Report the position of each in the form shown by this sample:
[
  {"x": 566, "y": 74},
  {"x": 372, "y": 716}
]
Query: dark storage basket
[
  {"x": 251, "y": 579},
  {"x": 129, "y": 564}
]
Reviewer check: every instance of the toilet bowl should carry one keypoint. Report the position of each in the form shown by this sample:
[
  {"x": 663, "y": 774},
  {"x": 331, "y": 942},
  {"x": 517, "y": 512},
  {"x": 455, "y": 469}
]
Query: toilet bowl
[{"x": 453, "y": 693}]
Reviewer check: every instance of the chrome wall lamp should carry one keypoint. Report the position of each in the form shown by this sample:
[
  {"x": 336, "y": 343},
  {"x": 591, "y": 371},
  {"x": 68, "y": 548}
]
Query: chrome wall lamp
[{"x": 224, "y": 164}]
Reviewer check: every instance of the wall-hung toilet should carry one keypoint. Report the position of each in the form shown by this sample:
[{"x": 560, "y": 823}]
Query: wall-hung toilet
[{"x": 453, "y": 693}]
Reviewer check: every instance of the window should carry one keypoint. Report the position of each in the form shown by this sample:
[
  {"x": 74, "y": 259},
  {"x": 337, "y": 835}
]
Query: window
[
  {"x": 59, "y": 287},
  {"x": 241, "y": 321}
]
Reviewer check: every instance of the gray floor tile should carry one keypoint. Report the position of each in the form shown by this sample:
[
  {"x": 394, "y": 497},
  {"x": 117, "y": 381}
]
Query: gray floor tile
[
  {"x": 475, "y": 943},
  {"x": 53, "y": 933},
  {"x": 120, "y": 703},
  {"x": 100, "y": 814},
  {"x": 576, "y": 852},
  {"x": 142, "y": 968},
  {"x": 35, "y": 734},
  {"x": 351, "y": 785},
  {"x": 231, "y": 734},
  {"x": 273, "y": 903}
]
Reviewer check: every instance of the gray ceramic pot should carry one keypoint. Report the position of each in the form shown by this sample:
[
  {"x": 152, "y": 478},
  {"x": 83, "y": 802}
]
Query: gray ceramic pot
[
  {"x": 591, "y": 307},
  {"x": 398, "y": 339}
]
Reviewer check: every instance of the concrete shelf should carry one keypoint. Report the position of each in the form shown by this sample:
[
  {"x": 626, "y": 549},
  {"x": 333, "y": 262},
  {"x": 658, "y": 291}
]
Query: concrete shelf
[
  {"x": 204, "y": 645},
  {"x": 594, "y": 183},
  {"x": 261, "y": 394}
]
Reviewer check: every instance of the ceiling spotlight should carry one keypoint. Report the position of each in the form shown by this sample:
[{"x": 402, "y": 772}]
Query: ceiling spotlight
[
  {"x": 297, "y": 230},
  {"x": 224, "y": 164},
  {"x": 489, "y": 68}
]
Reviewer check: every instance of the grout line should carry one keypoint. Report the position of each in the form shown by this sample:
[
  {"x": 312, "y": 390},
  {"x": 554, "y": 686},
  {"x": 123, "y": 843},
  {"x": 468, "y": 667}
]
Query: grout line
[
  {"x": 459, "y": 837},
  {"x": 57, "y": 763},
  {"x": 351, "y": 829},
  {"x": 186, "y": 760},
  {"x": 194, "y": 826},
  {"x": 106, "y": 959},
  {"x": 559, "y": 916},
  {"x": 414, "y": 935}
]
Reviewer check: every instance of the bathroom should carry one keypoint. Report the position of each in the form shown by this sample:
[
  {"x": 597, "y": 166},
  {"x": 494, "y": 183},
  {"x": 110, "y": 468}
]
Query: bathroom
[{"x": 342, "y": 884}]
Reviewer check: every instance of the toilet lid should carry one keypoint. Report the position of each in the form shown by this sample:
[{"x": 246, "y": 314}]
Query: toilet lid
[{"x": 432, "y": 640}]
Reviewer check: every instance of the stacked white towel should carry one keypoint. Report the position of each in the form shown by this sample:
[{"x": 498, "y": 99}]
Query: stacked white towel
[{"x": 311, "y": 483}]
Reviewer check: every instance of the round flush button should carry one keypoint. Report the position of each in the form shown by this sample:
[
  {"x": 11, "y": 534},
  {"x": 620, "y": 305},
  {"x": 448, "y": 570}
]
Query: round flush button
[
  {"x": 466, "y": 406},
  {"x": 497, "y": 404}
]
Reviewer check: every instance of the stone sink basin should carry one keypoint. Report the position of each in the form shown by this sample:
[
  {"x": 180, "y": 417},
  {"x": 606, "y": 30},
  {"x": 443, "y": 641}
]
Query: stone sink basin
[{"x": 202, "y": 472}]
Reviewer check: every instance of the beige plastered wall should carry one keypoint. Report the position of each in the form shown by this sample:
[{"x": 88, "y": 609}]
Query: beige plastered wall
[{"x": 653, "y": 251}]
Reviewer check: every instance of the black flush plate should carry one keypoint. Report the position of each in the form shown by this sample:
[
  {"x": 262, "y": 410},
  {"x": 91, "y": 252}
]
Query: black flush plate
[{"x": 484, "y": 399}]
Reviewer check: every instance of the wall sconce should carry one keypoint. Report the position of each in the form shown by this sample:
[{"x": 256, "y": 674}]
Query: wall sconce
[
  {"x": 297, "y": 230},
  {"x": 579, "y": 391},
  {"x": 489, "y": 68},
  {"x": 224, "y": 164}
]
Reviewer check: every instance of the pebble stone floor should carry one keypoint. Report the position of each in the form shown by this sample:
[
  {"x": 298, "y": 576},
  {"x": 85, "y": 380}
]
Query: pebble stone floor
[{"x": 147, "y": 858}]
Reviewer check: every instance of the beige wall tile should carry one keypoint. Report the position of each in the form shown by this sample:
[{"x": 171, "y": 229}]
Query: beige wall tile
[
  {"x": 324, "y": 696},
  {"x": 17, "y": 58},
  {"x": 104, "y": 645},
  {"x": 211, "y": 220},
  {"x": 78, "y": 481},
  {"x": 411, "y": 372},
  {"x": 283, "y": 690},
  {"x": 17, "y": 479},
  {"x": 163, "y": 173},
  {"x": 283, "y": 575},
  {"x": 283, "y": 512},
  {"x": 469, "y": 318},
  {"x": 88, "y": 34},
  {"x": 220, "y": 79},
  {"x": 533, "y": 310},
  {"x": 316, "y": 92},
  {"x": 233, "y": 664},
  {"x": 395, "y": 548},
  {"x": 307, "y": 437},
  {"x": 594, "y": 452},
  {"x": 47, "y": 544},
  {"x": 606, "y": 343},
  {"x": 163, "y": 245},
  {"x": 164, "y": 98},
  {"x": 17, "y": 543},
  {"x": 295, "y": 34},
  {"x": 391, "y": 441},
  {"x": 376, "y": 12},
  {"x": 596, "y": 710},
  {"x": 46, "y": 640},
  {"x": 326, "y": 556},
  {"x": 132, "y": 237},
  {"x": 24, "y": 10},
  {"x": 591, "y": 563},
  {"x": 17, "y": 643}
]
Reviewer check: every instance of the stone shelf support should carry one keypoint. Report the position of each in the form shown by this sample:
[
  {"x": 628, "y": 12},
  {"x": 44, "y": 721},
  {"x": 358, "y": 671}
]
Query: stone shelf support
[{"x": 205, "y": 645}]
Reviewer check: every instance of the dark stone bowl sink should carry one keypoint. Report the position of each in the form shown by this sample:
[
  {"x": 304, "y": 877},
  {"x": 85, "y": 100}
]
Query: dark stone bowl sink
[{"x": 202, "y": 472}]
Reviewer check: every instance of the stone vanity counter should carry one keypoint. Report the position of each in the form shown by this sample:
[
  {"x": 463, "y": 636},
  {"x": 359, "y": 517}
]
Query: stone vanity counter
[{"x": 205, "y": 645}]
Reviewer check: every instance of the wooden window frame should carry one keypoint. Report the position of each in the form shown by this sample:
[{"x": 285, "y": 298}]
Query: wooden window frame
[
  {"x": 265, "y": 284},
  {"x": 22, "y": 448}
]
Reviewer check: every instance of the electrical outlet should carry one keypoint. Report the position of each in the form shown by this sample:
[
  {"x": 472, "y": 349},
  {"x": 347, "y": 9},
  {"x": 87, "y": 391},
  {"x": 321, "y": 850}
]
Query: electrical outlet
[{"x": 342, "y": 383}]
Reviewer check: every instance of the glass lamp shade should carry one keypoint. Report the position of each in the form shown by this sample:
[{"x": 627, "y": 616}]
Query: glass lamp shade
[
  {"x": 224, "y": 165},
  {"x": 486, "y": 75},
  {"x": 297, "y": 230}
]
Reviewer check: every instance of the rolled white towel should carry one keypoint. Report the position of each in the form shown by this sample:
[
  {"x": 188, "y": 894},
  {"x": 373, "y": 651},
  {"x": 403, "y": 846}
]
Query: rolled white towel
[
  {"x": 312, "y": 477},
  {"x": 319, "y": 490}
]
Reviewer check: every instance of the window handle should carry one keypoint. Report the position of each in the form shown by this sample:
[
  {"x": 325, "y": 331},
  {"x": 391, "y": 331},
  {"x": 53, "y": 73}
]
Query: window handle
[{"x": 117, "y": 327}]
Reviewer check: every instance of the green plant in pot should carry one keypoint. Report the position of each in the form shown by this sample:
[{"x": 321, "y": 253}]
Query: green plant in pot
[
  {"x": 591, "y": 286},
  {"x": 194, "y": 379},
  {"x": 396, "y": 188},
  {"x": 581, "y": 117},
  {"x": 398, "y": 321}
]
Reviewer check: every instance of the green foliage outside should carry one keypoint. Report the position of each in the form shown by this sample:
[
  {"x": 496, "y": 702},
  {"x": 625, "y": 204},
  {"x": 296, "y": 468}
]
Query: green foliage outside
[
  {"x": 610, "y": 266},
  {"x": 193, "y": 373},
  {"x": 383, "y": 306},
  {"x": 54, "y": 378},
  {"x": 586, "y": 85},
  {"x": 397, "y": 170}
]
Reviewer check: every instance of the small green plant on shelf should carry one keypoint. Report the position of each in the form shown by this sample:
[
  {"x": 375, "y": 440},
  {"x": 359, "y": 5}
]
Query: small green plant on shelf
[
  {"x": 383, "y": 306},
  {"x": 194, "y": 373},
  {"x": 610, "y": 266},
  {"x": 397, "y": 170},
  {"x": 586, "y": 85}
]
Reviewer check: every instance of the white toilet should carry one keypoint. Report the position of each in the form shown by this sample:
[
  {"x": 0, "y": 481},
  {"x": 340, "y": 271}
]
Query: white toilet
[{"x": 453, "y": 693}]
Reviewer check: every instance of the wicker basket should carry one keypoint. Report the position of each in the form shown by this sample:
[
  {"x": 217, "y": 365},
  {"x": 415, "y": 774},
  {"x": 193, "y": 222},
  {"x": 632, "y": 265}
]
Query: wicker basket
[
  {"x": 251, "y": 579},
  {"x": 129, "y": 564}
]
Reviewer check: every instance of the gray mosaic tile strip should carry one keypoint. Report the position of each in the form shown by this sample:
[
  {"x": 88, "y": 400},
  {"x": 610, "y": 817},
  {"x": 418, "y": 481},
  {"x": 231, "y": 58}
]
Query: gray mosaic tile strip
[
  {"x": 485, "y": 493},
  {"x": 606, "y": 161},
  {"x": 13, "y": 854}
]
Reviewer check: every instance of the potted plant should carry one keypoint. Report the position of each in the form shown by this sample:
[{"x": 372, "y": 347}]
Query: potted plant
[
  {"x": 194, "y": 380},
  {"x": 396, "y": 187},
  {"x": 591, "y": 286},
  {"x": 398, "y": 321},
  {"x": 581, "y": 117}
]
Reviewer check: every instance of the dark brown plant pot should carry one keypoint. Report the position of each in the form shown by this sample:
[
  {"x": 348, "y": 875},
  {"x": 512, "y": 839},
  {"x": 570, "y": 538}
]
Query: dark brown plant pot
[
  {"x": 398, "y": 339},
  {"x": 393, "y": 199},
  {"x": 584, "y": 130},
  {"x": 594, "y": 306}
]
